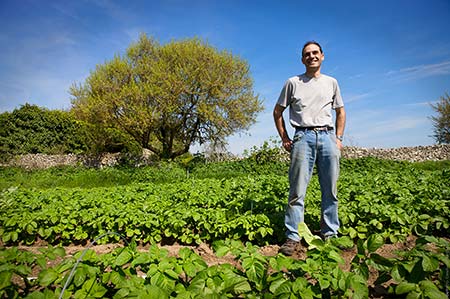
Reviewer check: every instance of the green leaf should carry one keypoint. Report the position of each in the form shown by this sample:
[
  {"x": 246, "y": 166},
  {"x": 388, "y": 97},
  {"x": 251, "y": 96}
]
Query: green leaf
[
  {"x": 383, "y": 277},
  {"x": 6, "y": 237},
  {"x": 60, "y": 251},
  {"x": 47, "y": 277},
  {"x": 374, "y": 242},
  {"x": 36, "y": 295},
  {"x": 417, "y": 273},
  {"x": 98, "y": 291},
  {"x": 445, "y": 260},
  {"x": 41, "y": 261},
  {"x": 23, "y": 270},
  {"x": 79, "y": 276},
  {"x": 337, "y": 257},
  {"x": 359, "y": 286},
  {"x": 185, "y": 253},
  {"x": 276, "y": 284},
  {"x": 299, "y": 285},
  {"x": 242, "y": 286},
  {"x": 14, "y": 236},
  {"x": 427, "y": 285},
  {"x": 360, "y": 247},
  {"x": 172, "y": 274},
  {"x": 222, "y": 251},
  {"x": 307, "y": 235},
  {"x": 124, "y": 257},
  {"x": 435, "y": 294},
  {"x": 254, "y": 269},
  {"x": 88, "y": 284},
  {"x": 380, "y": 260},
  {"x": 5, "y": 279},
  {"x": 363, "y": 270},
  {"x": 324, "y": 282},
  {"x": 141, "y": 259},
  {"x": 162, "y": 281},
  {"x": 152, "y": 270},
  {"x": 343, "y": 242},
  {"x": 116, "y": 278},
  {"x": 405, "y": 288},
  {"x": 413, "y": 295},
  {"x": 198, "y": 283},
  {"x": 283, "y": 288},
  {"x": 398, "y": 273},
  {"x": 122, "y": 293},
  {"x": 65, "y": 266},
  {"x": 430, "y": 264},
  {"x": 154, "y": 292}
]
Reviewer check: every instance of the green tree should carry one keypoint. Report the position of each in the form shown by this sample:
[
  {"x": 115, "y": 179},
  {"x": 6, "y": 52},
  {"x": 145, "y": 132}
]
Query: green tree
[
  {"x": 169, "y": 96},
  {"x": 441, "y": 122},
  {"x": 32, "y": 129}
]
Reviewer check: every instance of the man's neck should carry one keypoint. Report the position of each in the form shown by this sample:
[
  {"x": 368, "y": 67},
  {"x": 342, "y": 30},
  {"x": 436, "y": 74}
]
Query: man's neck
[{"x": 313, "y": 73}]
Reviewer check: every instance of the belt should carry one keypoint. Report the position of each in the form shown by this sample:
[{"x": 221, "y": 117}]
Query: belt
[{"x": 319, "y": 128}]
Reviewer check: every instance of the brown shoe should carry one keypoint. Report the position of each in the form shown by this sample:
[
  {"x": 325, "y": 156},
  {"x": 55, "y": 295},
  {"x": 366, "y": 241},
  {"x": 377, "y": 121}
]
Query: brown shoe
[{"x": 288, "y": 247}]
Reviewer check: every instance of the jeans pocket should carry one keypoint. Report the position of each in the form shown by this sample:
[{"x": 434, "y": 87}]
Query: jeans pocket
[
  {"x": 298, "y": 136},
  {"x": 334, "y": 142}
]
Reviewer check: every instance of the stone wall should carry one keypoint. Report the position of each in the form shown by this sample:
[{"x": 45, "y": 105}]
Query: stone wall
[
  {"x": 38, "y": 161},
  {"x": 413, "y": 154}
]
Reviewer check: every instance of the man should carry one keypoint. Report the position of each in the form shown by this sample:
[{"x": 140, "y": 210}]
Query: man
[{"x": 311, "y": 97}]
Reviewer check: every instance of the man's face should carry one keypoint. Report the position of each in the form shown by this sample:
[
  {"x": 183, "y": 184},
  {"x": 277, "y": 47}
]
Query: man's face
[{"x": 312, "y": 57}]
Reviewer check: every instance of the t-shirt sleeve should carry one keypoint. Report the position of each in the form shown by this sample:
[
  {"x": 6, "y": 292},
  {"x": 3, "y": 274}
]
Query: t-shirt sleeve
[
  {"x": 286, "y": 93},
  {"x": 337, "y": 98}
]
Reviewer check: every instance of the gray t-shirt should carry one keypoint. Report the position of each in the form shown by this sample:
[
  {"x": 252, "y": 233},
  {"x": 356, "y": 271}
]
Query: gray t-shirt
[{"x": 310, "y": 100}]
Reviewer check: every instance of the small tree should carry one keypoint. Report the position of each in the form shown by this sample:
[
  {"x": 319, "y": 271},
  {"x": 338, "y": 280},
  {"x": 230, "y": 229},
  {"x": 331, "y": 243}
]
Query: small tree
[
  {"x": 168, "y": 97},
  {"x": 441, "y": 122}
]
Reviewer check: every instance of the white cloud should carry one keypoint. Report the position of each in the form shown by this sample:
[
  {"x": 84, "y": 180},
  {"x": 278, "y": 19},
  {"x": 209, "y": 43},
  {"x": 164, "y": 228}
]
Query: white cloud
[
  {"x": 355, "y": 97},
  {"x": 357, "y": 76},
  {"x": 67, "y": 10},
  {"x": 114, "y": 10},
  {"x": 422, "y": 104},
  {"x": 398, "y": 124},
  {"x": 421, "y": 71},
  {"x": 40, "y": 70}
]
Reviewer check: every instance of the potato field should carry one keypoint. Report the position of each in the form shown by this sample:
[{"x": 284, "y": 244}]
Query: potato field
[{"x": 236, "y": 209}]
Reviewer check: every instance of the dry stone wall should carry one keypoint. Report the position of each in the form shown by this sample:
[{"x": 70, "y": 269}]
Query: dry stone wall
[
  {"x": 39, "y": 161},
  {"x": 413, "y": 154}
]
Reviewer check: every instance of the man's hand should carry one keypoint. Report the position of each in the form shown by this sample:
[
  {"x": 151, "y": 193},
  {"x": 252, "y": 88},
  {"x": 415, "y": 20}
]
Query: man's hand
[
  {"x": 281, "y": 128},
  {"x": 339, "y": 144},
  {"x": 340, "y": 125},
  {"x": 287, "y": 144}
]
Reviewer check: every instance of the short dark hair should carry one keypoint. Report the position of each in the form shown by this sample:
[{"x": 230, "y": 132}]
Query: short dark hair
[{"x": 311, "y": 42}]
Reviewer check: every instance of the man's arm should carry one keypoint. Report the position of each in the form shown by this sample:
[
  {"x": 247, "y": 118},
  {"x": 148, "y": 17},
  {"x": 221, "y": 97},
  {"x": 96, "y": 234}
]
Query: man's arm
[
  {"x": 340, "y": 125},
  {"x": 281, "y": 127}
]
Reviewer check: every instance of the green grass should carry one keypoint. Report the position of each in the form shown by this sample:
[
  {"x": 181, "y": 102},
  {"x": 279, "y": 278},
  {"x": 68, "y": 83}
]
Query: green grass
[
  {"x": 63, "y": 177},
  {"x": 82, "y": 177}
]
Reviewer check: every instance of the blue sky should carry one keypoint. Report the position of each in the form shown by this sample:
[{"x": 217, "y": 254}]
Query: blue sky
[{"x": 391, "y": 58}]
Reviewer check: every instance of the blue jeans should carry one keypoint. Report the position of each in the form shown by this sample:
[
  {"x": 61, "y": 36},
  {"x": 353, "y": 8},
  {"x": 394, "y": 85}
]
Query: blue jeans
[{"x": 313, "y": 148}]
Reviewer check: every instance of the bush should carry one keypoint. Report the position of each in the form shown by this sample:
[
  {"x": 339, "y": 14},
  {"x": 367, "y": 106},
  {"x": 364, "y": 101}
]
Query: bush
[
  {"x": 269, "y": 151},
  {"x": 441, "y": 121},
  {"x": 31, "y": 129}
]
